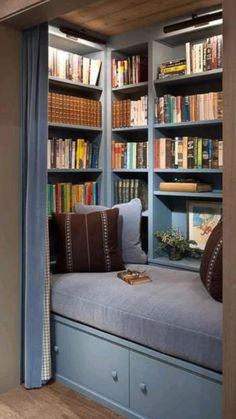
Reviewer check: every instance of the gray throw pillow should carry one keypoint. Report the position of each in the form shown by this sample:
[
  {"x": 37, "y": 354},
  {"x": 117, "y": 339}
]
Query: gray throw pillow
[{"x": 129, "y": 240}]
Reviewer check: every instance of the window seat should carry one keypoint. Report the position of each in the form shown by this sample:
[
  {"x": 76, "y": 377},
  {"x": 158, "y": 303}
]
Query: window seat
[{"x": 174, "y": 314}]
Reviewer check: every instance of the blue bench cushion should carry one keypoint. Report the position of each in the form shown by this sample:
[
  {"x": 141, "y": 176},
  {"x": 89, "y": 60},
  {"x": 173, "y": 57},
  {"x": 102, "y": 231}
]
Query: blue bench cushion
[{"x": 173, "y": 314}]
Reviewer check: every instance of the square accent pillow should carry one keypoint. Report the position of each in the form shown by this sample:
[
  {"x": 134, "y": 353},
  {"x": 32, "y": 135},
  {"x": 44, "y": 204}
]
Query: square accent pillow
[
  {"x": 88, "y": 242},
  {"x": 129, "y": 241},
  {"x": 211, "y": 263}
]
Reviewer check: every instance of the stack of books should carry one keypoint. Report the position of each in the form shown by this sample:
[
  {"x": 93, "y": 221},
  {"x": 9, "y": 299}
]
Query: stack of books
[
  {"x": 188, "y": 153},
  {"x": 130, "y": 155},
  {"x": 127, "y": 189},
  {"x": 204, "y": 55},
  {"x": 62, "y": 197},
  {"x": 131, "y": 70},
  {"x": 73, "y": 110},
  {"x": 72, "y": 154},
  {"x": 66, "y": 65},
  {"x": 128, "y": 113},
  {"x": 134, "y": 277},
  {"x": 201, "y": 107},
  {"x": 172, "y": 68}
]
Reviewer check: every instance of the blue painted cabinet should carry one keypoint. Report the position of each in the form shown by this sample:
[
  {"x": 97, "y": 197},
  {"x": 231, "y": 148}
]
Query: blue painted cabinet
[
  {"x": 101, "y": 366},
  {"x": 161, "y": 390},
  {"x": 131, "y": 379}
]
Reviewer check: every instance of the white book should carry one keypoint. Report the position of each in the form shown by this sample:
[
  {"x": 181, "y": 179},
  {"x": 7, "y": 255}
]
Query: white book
[
  {"x": 94, "y": 71},
  {"x": 220, "y": 153},
  {"x": 188, "y": 58},
  {"x": 86, "y": 65},
  {"x": 49, "y": 154}
]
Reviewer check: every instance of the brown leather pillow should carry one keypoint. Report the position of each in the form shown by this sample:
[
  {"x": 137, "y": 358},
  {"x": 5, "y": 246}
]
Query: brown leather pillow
[
  {"x": 88, "y": 242},
  {"x": 211, "y": 264}
]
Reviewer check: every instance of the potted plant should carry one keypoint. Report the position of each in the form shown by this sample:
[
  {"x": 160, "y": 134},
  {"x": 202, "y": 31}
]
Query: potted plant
[{"x": 174, "y": 243}]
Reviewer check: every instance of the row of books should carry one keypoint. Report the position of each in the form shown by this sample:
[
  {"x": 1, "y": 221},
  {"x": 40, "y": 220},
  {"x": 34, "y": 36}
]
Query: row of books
[
  {"x": 204, "y": 55},
  {"x": 188, "y": 153},
  {"x": 62, "y": 197},
  {"x": 129, "y": 155},
  {"x": 201, "y": 56},
  {"x": 128, "y": 113},
  {"x": 205, "y": 106},
  {"x": 127, "y": 189},
  {"x": 74, "y": 110},
  {"x": 67, "y": 65},
  {"x": 129, "y": 71},
  {"x": 72, "y": 154}
]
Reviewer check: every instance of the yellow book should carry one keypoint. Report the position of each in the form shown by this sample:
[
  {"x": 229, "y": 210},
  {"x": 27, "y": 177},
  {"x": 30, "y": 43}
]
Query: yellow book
[
  {"x": 79, "y": 153},
  {"x": 185, "y": 187}
]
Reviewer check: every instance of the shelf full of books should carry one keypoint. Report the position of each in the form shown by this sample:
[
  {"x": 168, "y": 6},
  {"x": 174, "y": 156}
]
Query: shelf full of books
[
  {"x": 126, "y": 189},
  {"x": 63, "y": 196},
  {"x": 201, "y": 107},
  {"x": 130, "y": 70},
  {"x": 188, "y": 153},
  {"x": 187, "y": 148},
  {"x": 198, "y": 57},
  {"x": 66, "y": 153},
  {"x": 74, "y": 110},
  {"x": 129, "y": 155},
  {"x": 68, "y": 66},
  {"x": 130, "y": 113}
]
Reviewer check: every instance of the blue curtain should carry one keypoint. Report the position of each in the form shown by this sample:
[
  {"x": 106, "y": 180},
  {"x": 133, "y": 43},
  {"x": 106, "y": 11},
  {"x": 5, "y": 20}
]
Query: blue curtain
[{"x": 34, "y": 184}]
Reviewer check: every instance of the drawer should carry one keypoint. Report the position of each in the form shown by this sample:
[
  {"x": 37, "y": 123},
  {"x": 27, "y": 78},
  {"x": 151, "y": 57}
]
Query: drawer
[
  {"x": 91, "y": 362},
  {"x": 162, "y": 391}
]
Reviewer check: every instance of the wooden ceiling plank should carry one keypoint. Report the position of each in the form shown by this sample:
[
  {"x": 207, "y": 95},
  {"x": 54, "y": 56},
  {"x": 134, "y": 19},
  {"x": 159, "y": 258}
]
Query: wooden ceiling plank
[
  {"x": 141, "y": 16},
  {"x": 102, "y": 9},
  {"x": 145, "y": 9}
]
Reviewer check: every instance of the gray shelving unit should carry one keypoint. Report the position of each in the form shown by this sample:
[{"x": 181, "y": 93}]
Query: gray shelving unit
[
  {"x": 169, "y": 209},
  {"x": 94, "y": 134}
]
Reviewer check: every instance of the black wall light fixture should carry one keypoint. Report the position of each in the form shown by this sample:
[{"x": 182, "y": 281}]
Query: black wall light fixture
[
  {"x": 82, "y": 34},
  {"x": 194, "y": 21}
]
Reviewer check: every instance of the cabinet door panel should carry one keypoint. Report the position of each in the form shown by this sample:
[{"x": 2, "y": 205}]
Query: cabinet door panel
[
  {"x": 90, "y": 361},
  {"x": 163, "y": 391}
]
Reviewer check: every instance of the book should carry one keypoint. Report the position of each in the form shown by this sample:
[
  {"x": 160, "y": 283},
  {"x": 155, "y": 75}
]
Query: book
[
  {"x": 134, "y": 277},
  {"x": 184, "y": 186}
]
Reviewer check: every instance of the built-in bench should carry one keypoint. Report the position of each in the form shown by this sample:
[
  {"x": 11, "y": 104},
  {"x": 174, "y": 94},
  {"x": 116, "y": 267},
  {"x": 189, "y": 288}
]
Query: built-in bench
[{"x": 152, "y": 350}]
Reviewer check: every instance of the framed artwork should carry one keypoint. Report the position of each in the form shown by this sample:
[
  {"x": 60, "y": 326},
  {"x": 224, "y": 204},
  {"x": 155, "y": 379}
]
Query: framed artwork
[{"x": 202, "y": 218}]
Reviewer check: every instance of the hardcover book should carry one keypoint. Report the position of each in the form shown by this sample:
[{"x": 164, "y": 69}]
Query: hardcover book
[
  {"x": 185, "y": 187},
  {"x": 134, "y": 277}
]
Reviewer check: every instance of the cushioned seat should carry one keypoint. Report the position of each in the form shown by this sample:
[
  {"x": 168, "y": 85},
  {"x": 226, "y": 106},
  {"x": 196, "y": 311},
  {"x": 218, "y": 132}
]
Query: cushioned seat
[{"x": 173, "y": 314}]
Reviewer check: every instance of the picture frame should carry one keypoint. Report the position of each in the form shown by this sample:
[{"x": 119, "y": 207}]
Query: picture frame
[{"x": 202, "y": 217}]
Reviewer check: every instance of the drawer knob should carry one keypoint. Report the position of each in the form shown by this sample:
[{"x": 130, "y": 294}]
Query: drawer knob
[
  {"x": 114, "y": 375},
  {"x": 55, "y": 349},
  {"x": 143, "y": 388}
]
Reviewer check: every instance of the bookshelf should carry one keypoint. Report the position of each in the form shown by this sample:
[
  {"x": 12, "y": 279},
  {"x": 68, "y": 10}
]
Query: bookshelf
[
  {"x": 129, "y": 90},
  {"x": 71, "y": 63},
  {"x": 169, "y": 209},
  {"x": 151, "y": 48}
]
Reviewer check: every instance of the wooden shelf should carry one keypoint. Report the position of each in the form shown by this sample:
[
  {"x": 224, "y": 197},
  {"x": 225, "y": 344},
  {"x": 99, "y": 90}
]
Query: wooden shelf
[
  {"x": 171, "y": 170},
  {"x": 176, "y": 125},
  {"x": 74, "y": 127},
  {"x": 56, "y": 81},
  {"x": 187, "y": 263},
  {"x": 205, "y": 76},
  {"x": 91, "y": 170},
  {"x": 129, "y": 129},
  {"x": 131, "y": 88},
  {"x": 130, "y": 170},
  {"x": 216, "y": 195}
]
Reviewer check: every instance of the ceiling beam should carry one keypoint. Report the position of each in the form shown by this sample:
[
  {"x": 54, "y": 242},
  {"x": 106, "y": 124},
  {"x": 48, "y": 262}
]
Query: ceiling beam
[{"x": 23, "y": 14}]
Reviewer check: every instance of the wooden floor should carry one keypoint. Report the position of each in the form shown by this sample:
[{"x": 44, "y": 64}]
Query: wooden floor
[{"x": 53, "y": 401}]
